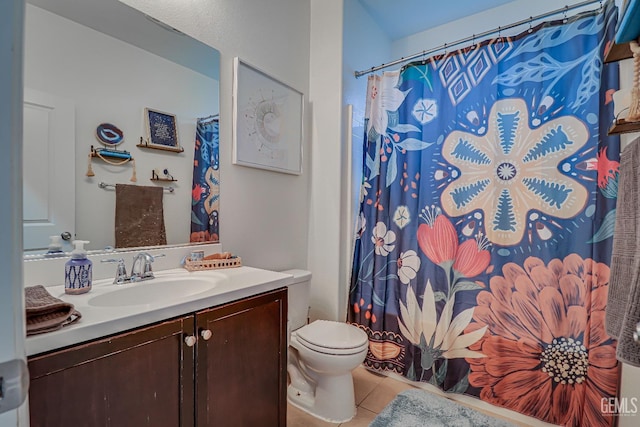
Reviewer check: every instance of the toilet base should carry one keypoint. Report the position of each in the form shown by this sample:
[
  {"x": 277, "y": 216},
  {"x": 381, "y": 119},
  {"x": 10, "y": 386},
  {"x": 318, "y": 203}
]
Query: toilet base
[{"x": 334, "y": 399}]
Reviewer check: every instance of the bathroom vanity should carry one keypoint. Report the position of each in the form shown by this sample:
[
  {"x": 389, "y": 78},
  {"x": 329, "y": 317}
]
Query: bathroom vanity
[{"x": 220, "y": 363}]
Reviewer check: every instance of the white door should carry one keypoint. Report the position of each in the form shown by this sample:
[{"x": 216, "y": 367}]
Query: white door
[
  {"x": 48, "y": 168},
  {"x": 12, "y": 328}
]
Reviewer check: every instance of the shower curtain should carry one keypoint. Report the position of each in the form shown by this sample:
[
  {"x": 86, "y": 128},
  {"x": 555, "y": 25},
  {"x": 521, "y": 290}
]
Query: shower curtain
[
  {"x": 481, "y": 262},
  {"x": 205, "y": 192}
]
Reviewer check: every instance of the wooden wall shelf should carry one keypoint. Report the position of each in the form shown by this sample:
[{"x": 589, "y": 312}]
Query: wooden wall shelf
[
  {"x": 161, "y": 147},
  {"x": 113, "y": 158},
  {"x": 623, "y": 126},
  {"x": 115, "y": 155},
  {"x": 618, "y": 52}
]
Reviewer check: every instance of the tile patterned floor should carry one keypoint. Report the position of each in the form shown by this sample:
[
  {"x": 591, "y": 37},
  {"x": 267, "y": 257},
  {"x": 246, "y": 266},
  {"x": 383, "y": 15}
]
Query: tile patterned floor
[{"x": 372, "y": 391}]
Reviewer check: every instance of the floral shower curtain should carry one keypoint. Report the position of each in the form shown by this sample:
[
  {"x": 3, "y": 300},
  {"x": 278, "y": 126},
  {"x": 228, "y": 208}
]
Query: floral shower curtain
[
  {"x": 481, "y": 263},
  {"x": 205, "y": 192}
]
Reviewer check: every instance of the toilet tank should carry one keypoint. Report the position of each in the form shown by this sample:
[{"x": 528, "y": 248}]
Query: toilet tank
[{"x": 298, "y": 300}]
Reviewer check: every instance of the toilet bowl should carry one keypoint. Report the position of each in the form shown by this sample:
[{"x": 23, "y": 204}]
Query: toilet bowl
[{"x": 321, "y": 356}]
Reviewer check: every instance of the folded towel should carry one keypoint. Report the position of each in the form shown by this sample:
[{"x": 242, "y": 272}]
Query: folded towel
[
  {"x": 46, "y": 313},
  {"x": 139, "y": 216},
  {"x": 623, "y": 303}
]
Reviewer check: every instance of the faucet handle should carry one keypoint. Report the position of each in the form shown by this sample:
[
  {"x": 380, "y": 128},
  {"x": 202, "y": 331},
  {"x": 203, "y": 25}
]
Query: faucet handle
[
  {"x": 147, "y": 265},
  {"x": 144, "y": 270},
  {"x": 121, "y": 270}
]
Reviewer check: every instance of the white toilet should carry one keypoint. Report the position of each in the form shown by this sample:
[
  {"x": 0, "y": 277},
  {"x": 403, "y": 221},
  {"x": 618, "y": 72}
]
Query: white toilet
[{"x": 321, "y": 357}]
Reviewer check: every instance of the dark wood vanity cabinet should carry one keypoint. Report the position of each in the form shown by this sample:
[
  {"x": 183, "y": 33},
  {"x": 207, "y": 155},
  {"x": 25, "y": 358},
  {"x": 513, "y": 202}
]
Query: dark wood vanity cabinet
[
  {"x": 241, "y": 369},
  {"x": 233, "y": 376},
  {"x": 142, "y": 377}
]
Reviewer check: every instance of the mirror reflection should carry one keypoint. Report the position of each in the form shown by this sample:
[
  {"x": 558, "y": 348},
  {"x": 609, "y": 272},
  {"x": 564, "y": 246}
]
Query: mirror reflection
[{"x": 99, "y": 62}]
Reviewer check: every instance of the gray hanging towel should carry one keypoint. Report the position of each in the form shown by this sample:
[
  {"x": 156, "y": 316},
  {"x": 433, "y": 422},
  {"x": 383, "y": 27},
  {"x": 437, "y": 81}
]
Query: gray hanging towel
[
  {"x": 623, "y": 304},
  {"x": 46, "y": 313},
  {"x": 139, "y": 216}
]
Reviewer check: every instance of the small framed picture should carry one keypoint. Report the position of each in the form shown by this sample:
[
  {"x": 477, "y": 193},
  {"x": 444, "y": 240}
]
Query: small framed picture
[
  {"x": 162, "y": 131},
  {"x": 267, "y": 121}
]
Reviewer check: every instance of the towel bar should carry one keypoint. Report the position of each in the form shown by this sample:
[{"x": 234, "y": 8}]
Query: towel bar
[{"x": 105, "y": 185}]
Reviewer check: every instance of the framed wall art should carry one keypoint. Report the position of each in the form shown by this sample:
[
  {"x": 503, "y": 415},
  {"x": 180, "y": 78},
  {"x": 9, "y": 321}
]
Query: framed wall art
[
  {"x": 162, "y": 131},
  {"x": 267, "y": 121}
]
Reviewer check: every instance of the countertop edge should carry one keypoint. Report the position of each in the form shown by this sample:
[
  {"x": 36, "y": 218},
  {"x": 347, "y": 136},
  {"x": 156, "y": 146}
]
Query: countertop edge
[{"x": 88, "y": 331}]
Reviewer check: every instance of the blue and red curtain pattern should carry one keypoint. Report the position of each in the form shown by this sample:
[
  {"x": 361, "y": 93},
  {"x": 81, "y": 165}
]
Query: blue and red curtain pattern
[
  {"x": 481, "y": 263},
  {"x": 205, "y": 192}
]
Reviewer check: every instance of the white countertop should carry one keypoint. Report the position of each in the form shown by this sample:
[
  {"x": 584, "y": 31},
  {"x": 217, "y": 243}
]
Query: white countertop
[{"x": 230, "y": 284}]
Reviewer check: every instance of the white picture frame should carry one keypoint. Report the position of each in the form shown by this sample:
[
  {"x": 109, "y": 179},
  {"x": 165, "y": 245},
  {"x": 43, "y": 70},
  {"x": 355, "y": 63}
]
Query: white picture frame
[{"x": 267, "y": 121}]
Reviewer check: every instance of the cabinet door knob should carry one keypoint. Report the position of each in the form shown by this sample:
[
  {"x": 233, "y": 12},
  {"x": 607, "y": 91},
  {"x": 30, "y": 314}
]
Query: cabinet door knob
[
  {"x": 206, "y": 334},
  {"x": 190, "y": 340}
]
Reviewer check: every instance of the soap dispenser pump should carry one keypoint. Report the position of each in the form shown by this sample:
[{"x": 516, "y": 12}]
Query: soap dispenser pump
[
  {"x": 78, "y": 270},
  {"x": 55, "y": 247}
]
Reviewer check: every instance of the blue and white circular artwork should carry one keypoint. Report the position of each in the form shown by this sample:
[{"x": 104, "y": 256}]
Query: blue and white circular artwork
[{"x": 109, "y": 135}]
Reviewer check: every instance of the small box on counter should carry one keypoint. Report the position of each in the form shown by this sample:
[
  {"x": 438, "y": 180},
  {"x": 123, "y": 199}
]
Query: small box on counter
[{"x": 212, "y": 262}]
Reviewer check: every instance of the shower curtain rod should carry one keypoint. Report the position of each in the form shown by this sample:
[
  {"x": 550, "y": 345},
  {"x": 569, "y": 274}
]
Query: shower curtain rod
[{"x": 477, "y": 36}]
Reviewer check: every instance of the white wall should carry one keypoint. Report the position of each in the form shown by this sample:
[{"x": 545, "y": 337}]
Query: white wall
[
  {"x": 328, "y": 299},
  {"x": 112, "y": 81},
  {"x": 263, "y": 215},
  {"x": 364, "y": 45},
  {"x": 475, "y": 24}
]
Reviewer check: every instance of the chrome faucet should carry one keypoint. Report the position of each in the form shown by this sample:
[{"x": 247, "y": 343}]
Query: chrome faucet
[
  {"x": 140, "y": 270},
  {"x": 121, "y": 271}
]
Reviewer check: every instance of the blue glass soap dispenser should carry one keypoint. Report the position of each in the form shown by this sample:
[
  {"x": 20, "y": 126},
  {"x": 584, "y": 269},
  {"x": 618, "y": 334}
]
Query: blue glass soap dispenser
[{"x": 78, "y": 270}]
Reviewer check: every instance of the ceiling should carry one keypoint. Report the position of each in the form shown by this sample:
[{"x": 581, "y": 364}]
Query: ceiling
[
  {"x": 122, "y": 22},
  {"x": 402, "y": 18},
  {"x": 398, "y": 18}
]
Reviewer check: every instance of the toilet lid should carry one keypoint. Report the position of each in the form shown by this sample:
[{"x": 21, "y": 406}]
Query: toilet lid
[{"x": 332, "y": 335}]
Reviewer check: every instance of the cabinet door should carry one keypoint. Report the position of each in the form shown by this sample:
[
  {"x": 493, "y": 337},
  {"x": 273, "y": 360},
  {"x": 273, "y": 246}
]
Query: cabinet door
[
  {"x": 138, "y": 378},
  {"x": 241, "y": 369}
]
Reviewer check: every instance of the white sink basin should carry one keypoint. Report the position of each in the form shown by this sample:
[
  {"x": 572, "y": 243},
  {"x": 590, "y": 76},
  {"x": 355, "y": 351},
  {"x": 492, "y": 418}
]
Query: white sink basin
[{"x": 153, "y": 291}]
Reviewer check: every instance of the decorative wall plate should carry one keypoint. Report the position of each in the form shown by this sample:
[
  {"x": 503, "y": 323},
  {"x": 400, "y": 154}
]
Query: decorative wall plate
[
  {"x": 109, "y": 135},
  {"x": 267, "y": 117}
]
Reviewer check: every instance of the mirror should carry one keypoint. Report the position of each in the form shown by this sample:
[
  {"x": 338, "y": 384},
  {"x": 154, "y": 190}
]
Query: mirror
[{"x": 89, "y": 62}]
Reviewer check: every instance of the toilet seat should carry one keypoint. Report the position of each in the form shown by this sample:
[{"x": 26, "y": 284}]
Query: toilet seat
[{"x": 329, "y": 337}]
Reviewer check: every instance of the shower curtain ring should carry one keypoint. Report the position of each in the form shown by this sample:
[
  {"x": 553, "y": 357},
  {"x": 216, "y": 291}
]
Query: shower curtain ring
[
  {"x": 530, "y": 30},
  {"x": 499, "y": 34},
  {"x": 564, "y": 15}
]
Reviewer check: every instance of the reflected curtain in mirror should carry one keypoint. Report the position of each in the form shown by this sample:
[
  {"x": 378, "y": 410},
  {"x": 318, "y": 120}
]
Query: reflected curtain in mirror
[{"x": 205, "y": 193}]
